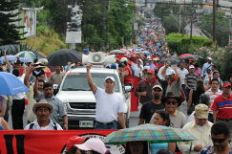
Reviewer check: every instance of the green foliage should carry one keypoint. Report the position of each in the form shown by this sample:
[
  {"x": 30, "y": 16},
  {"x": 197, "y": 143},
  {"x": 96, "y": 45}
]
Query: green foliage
[
  {"x": 107, "y": 24},
  {"x": 181, "y": 43},
  {"x": 46, "y": 40},
  {"x": 9, "y": 31},
  {"x": 174, "y": 17},
  {"x": 170, "y": 28},
  {"x": 222, "y": 27},
  {"x": 225, "y": 63}
]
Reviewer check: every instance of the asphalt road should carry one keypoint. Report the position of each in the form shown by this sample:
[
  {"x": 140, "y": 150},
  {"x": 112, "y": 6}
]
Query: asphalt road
[{"x": 134, "y": 119}]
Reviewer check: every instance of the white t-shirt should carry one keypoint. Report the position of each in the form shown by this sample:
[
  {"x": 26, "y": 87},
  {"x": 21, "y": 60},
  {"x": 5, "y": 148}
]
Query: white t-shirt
[
  {"x": 213, "y": 95},
  {"x": 138, "y": 71},
  {"x": 51, "y": 126},
  {"x": 182, "y": 73},
  {"x": 108, "y": 106}
]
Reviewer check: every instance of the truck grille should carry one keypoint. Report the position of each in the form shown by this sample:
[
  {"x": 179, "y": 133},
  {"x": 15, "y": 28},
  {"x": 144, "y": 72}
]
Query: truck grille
[{"x": 83, "y": 105}]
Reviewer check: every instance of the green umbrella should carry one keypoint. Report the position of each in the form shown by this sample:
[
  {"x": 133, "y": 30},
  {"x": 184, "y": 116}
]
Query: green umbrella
[{"x": 148, "y": 132}]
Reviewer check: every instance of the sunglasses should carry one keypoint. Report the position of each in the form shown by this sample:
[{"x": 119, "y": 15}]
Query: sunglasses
[
  {"x": 215, "y": 140},
  {"x": 172, "y": 102}
]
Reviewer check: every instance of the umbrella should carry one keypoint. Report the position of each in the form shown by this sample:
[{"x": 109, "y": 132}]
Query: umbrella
[
  {"x": 117, "y": 51},
  {"x": 63, "y": 56},
  {"x": 187, "y": 56},
  {"x": 148, "y": 132},
  {"x": 10, "y": 84},
  {"x": 25, "y": 60},
  {"x": 29, "y": 55}
]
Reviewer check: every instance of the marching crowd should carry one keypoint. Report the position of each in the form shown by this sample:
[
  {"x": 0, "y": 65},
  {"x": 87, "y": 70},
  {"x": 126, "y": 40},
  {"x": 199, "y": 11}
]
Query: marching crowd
[
  {"x": 178, "y": 96},
  {"x": 183, "y": 95}
]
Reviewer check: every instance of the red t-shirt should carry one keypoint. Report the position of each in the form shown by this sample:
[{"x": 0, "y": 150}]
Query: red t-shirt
[{"x": 223, "y": 106}]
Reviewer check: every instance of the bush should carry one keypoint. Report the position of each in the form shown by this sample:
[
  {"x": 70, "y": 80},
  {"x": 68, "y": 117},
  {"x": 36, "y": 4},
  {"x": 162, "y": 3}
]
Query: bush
[{"x": 181, "y": 43}]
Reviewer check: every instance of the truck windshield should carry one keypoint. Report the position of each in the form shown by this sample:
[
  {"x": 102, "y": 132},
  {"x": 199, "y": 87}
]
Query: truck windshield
[{"x": 78, "y": 82}]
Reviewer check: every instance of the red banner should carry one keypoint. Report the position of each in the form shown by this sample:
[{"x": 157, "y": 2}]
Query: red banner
[{"x": 41, "y": 142}]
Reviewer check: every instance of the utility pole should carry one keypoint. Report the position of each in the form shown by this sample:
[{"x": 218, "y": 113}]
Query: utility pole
[
  {"x": 191, "y": 24},
  {"x": 230, "y": 24},
  {"x": 214, "y": 21}
]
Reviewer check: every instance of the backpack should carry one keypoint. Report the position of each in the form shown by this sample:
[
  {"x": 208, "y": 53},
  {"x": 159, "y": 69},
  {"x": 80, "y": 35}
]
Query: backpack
[{"x": 54, "y": 126}]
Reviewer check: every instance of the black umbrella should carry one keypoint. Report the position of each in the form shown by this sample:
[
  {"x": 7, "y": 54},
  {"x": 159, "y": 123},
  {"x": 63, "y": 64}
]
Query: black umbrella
[{"x": 63, "y": 56}]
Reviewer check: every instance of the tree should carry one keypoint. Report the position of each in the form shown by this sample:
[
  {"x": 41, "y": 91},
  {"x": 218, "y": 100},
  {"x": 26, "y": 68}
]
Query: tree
[
  {"x": 107, "y": 24},
  {"x": 9, "y": 31},
  {"x": 222, "y": 27},
  {"x": 177, "y": 15}
]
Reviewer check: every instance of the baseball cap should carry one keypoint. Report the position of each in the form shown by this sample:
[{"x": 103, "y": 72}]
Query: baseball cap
[
  {"x": 110, "y": 77},
  {"x": 226, "y": 84},
  {"x": 123, "y": 59},
  {"x": 191, "y": 66},
  {"x": 170, "y": 71},
  {"x": 201, "y": 111},
  {"x": 74, "y": 140},
  {"x": 93, "y": 144},
  {"x": 157, "y": 86}
]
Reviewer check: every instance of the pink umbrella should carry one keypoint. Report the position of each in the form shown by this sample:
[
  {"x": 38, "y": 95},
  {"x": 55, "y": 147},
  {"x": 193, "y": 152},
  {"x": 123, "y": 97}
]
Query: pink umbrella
[{"x": 187, "y": 56}]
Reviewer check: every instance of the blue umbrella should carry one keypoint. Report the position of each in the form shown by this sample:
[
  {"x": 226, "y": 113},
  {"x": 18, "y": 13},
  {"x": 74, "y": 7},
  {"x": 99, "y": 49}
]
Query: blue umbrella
[{"x": 10, "y": 85}]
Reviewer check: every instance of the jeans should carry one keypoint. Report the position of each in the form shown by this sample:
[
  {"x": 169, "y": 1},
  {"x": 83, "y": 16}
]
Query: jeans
[{"x": 109, "y": 125}]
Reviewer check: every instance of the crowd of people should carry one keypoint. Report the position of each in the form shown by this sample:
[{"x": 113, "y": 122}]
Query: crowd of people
[{"x": 181, "y": 95}]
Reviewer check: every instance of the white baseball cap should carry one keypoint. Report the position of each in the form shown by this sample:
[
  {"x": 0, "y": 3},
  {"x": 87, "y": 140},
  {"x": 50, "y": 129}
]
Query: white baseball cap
[
  {"x": 157, "y": 86},
  {"x": 110, "y": 77},
  {"x": 93, "y": 144},
  {"x": 191, "y": 66}
]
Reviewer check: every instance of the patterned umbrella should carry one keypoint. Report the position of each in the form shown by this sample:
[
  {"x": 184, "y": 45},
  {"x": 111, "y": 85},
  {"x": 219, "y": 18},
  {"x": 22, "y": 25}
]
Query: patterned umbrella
[{"x": 149, "y": 132}]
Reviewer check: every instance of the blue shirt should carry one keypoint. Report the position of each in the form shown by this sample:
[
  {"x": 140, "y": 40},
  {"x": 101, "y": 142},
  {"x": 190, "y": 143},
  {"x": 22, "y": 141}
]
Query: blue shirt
[{"x": 155, "y": 147}]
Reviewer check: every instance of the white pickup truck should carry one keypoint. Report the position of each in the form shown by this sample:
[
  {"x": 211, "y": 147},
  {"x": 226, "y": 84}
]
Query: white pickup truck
[{"x": 80, "y": 102}]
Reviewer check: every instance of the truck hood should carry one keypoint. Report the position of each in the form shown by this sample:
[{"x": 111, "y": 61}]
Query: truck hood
[
  {"x": 73, "y": 96},
  {"x": 79, "y": 96}
]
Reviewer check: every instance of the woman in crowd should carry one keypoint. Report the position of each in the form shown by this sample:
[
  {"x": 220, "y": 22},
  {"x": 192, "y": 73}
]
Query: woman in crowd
[
  {"x": 161, "y": 117},
  {"x": 90, "y": 146}
]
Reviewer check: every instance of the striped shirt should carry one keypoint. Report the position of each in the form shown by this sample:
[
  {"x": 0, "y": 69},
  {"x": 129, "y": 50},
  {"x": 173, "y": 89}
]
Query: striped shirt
[{"x": 191, "y": 81}]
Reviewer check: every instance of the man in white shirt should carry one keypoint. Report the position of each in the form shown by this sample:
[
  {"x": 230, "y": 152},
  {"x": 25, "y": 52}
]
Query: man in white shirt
[
  {"x": 214, "y": 91},
  {"x": 43, "y": 121},
  {"x": 182, "y": 71},
  {"x": 109, "y": 105},
  {"x": 200, "y": 129}
]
